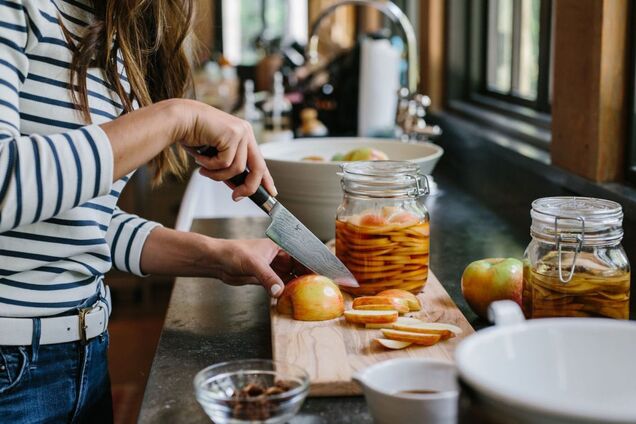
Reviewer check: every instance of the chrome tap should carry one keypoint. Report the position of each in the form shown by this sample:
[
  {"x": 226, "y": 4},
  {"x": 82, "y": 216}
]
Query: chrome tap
[
  {"x": 409, "y": 119},
  {"x": 390, "y": 10}
]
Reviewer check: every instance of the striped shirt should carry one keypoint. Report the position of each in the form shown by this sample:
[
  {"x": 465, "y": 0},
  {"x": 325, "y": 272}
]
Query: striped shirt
[{"x": 60, "y": 228}]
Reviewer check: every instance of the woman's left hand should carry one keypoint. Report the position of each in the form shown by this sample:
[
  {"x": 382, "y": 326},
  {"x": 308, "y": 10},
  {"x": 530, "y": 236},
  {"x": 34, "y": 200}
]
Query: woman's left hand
[
  {"x": 235, "y": 262},
  {"x": 255, "y": 262}
]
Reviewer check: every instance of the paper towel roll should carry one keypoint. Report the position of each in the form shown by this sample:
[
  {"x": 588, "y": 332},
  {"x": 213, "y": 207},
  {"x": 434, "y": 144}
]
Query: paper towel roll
[{"x": 379, "y": 84}]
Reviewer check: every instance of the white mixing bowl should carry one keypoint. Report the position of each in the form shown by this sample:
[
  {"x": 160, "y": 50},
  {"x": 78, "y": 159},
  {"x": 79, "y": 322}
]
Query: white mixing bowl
[
  {"x": 555, "y": 370},
  {"x": 311, "y": 190}
]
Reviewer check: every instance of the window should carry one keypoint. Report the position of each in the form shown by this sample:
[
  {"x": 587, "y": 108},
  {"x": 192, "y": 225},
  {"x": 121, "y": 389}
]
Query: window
[
  {"x": 499, "y": 64},
  {"x": 512, "y": 65},
  {"x": 248, "y": 24}
]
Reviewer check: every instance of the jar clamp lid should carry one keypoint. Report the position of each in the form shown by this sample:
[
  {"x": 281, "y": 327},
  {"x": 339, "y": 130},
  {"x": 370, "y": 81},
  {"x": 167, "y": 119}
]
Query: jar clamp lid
[
  {"x": 382, "y": 179},
  {"x": 577, "y": 221}
]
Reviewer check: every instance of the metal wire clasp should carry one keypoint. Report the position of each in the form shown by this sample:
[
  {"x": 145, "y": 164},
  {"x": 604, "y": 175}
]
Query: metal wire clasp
[
  {"x": 418, "y": 190},
  {"x": 559, "y": 238}
]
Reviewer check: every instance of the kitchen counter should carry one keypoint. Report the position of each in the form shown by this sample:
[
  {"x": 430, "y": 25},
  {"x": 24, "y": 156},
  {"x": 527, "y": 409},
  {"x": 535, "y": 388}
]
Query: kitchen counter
[{"x": 209, "y": 322}]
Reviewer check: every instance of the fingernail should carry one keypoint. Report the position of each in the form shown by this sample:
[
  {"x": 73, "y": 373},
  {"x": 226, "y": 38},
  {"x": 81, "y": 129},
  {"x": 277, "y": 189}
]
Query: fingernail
[
  {"x": 275, "y": 192},
  {"x": 239, "y": 198},
  {"x": 276, "y": 289}
]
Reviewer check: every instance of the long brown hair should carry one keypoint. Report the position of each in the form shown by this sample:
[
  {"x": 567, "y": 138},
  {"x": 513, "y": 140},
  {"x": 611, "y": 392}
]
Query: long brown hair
[{"x": 150, "y": 36}]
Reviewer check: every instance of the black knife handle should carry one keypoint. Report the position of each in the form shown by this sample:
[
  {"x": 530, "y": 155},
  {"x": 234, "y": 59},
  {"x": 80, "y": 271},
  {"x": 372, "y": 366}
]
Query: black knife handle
[{"x": 260, "y": 197}]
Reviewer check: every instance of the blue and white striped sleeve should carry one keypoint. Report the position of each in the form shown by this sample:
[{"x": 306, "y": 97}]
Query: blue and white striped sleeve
[
  {"x": 126, "y": 236},
  {"x": 41, "y": 176}
]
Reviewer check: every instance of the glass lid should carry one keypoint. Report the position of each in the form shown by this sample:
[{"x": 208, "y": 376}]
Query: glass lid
[
  {"x": 385, "y": 178},
  {"x": 573, "y": 222}
]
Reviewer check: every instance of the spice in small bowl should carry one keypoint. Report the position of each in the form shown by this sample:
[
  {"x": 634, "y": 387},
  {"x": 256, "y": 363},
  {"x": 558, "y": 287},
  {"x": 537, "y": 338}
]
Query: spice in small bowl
[{"x": 251, "y": 391}]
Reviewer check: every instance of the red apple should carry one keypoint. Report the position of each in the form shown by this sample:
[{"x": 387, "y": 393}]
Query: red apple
[
  {"x": 311, "y": 298},
  {"x": 487, "y": 280}
]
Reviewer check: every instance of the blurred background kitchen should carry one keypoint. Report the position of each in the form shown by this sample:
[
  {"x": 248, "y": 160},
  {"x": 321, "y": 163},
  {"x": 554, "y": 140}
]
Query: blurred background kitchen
[{"x": 545, "y": 87}]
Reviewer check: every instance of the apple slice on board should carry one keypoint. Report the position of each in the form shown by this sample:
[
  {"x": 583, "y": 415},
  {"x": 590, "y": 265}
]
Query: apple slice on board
[
  {"x": 446, "y": 331},
  {"x": 364, "y": 317},
  {"x": 407, "y": 336},
  {"x": 411, "y": 299},
  {"x": 392, "y": 344},
  {"x": 400, "y": 320},
  {"x": 379, "y": 303},
  {"x": 375, "y": 308}
]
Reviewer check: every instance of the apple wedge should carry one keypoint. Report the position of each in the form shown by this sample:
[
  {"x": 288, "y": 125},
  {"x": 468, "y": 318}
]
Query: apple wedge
[
  {"x": 400, "y": 320},
  {"x": 367, "y": 317},
  {"x": 407, "y": 336},
  {"x": 411, "y": 299},
  {"x": 364, "y": 303},
  {"x": 393, "y": 344},
  {"x": 374, "y": 308},
  {"x": 446, "y": 331}
]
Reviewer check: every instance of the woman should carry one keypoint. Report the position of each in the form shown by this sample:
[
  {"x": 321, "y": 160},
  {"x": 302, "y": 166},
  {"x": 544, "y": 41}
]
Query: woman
[{"x": 89, "y": 91}]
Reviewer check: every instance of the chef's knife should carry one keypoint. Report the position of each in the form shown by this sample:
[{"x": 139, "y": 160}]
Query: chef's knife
[{"x": 291, "y": 235}]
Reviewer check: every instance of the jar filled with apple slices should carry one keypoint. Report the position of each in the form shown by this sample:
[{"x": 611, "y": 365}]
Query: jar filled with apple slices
[
  {"x": 382, "y": 226},
  {"x": 575, "y": 265}
]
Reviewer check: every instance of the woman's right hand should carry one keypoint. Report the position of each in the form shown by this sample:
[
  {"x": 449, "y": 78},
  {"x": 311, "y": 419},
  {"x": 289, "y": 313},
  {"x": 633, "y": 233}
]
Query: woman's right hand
[{"x": 234, "y": 140}]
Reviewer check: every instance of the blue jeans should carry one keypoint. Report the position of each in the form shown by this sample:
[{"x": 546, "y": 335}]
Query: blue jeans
[
  {"x": 58, "y": 383},
  {"x": 61, "y": 383}
]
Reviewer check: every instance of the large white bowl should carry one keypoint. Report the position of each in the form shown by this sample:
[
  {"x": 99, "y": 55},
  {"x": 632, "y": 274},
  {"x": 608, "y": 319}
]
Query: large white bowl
[
  {"x": 557, "y": 370},
  {"x": 311, "y": 190}
]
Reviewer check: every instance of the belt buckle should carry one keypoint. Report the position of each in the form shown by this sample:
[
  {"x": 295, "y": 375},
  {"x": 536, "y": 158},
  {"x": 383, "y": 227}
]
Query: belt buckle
[{"x": 82, "y": 323}]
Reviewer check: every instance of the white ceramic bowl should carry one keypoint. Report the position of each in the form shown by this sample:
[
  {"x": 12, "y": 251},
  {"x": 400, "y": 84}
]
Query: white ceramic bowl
[
  {"x": 556, "y": 370},
  {"x": 311, "y": 190},
  {"x": 384, "y": 383}
]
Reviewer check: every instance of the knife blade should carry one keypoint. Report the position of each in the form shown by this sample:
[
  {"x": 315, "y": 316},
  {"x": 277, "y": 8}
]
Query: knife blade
[{"x": 291, "y": 235}]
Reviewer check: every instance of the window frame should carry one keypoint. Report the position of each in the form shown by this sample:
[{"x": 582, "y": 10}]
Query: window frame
[{"x": 466, "y": 70}]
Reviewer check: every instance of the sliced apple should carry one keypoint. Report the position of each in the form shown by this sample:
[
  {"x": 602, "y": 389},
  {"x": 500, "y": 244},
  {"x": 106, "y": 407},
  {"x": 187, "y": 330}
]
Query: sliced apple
[
  {"x": 381, "y": 303},
  {"x": 393, "y": 344},
  {"x": 371, "y": 300},
  {"x": 374, "y": 308},
  {"x": 446, "y": 331},
  {"x": 411, "y": 299},
  {"x": 367, "y": 317},
  {"x": 407, "y": 336},
  {"x": 400, "y": 320}
]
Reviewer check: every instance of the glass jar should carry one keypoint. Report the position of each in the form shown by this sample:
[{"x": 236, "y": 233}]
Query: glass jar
[
  {"x": 382, "y": 226},
  {"x": 575, "y": 265}
]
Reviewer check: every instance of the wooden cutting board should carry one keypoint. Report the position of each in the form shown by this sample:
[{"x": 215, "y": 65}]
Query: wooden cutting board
[{"x": 332, "y": 351}]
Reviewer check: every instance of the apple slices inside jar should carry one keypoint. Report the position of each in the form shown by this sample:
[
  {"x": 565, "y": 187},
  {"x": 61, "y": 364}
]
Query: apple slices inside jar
[{"x": 385, "y": 249}]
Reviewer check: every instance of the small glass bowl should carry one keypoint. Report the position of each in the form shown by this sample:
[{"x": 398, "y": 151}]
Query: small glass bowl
[{"x": 215, "y": 388}]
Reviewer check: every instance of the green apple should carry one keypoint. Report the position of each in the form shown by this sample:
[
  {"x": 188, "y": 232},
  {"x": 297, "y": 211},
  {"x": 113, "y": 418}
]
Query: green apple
[
  {"x": 311, "y": 298},
  {"x": 488, "y": 280},
  {"x": 365, "y": 153}
]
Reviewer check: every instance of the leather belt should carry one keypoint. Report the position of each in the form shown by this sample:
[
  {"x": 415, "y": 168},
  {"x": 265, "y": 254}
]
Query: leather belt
[{"x": 90, "y": 322}]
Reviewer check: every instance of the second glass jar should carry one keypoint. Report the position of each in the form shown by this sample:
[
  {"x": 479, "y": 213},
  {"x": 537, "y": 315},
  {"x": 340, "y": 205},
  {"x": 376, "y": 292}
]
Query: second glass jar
[
  {"x": 575, "y": 265},
  {"x": 382, "y": 226}
]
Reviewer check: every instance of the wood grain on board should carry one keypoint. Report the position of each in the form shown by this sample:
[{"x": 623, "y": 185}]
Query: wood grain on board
[{"x": 332, "y": 351}]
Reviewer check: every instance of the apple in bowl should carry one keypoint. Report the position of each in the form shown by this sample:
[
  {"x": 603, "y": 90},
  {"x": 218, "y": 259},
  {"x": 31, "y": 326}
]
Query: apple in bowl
[
  {"x": 488, "y": 280},
  {"x": 311, "y": 298}
]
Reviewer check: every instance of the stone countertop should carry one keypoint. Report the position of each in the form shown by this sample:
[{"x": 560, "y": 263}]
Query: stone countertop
[{"x": 209, "y": 322}]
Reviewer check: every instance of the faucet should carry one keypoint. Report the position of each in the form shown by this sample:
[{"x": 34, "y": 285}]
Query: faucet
[{"x": 411, "y": 110}]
